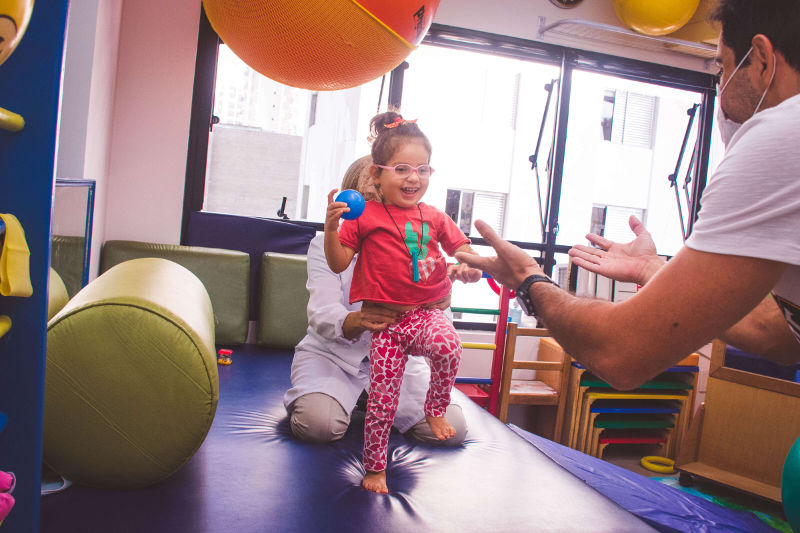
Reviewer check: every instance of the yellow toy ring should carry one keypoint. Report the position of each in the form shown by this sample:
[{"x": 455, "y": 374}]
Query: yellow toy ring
[{"x": 654, "y": 463}]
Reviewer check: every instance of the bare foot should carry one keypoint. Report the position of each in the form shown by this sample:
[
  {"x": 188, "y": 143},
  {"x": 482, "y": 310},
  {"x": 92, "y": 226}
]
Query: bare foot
[
  {"x": 375, "y": 481},
  {"x": 440, "y": 427}
]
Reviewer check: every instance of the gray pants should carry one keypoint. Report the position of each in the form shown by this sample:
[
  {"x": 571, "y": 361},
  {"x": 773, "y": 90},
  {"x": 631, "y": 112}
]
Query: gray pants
[{"x": 317, "y": 417}]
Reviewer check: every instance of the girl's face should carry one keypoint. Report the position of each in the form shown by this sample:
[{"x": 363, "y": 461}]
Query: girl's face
[{"x": 403, "y": 192}]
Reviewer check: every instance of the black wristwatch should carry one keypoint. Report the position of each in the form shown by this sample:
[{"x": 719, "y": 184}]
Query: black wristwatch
[{"x": 524, "y": 297}]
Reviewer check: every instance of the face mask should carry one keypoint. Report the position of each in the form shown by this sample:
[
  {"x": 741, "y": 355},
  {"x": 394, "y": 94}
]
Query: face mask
[{"x": 728, "y": 127}]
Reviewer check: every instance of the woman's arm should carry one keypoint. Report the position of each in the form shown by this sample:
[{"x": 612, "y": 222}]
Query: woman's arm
[{"x": 327, "y": 311}]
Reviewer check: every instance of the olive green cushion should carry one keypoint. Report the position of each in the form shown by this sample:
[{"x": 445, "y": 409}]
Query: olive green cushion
[
  {"x": 66, "y": 258},
  {"x": 131, "y": 382},
  {"x": 282, "y": 318},
  {"x": 225, "y": 274},
  {"x": 57, "y": 296}
]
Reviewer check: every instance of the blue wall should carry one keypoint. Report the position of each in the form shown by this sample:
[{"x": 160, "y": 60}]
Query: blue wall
[{"x": 29, "y": 85}]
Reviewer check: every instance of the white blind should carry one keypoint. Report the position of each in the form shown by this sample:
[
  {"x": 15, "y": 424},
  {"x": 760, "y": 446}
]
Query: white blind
[
  {"x": 491, "y": 208},
  {"x": 634, "y": 115}
]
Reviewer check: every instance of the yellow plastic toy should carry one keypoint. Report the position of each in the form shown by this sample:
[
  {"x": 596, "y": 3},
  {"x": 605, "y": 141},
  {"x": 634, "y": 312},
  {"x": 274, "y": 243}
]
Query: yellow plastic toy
[
  {"x": 14, "y": 18},
  {"x": 15, "y": 278},
  {"x": 655, "y": 17},
  {"x": 5, "y": 324},
  {"x": 654, "y": 463}
]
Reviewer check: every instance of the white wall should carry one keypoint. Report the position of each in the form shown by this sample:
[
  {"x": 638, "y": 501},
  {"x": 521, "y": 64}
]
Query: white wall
[
  {"x": 76, "y": 88},
  {"x": 520, "y": 18},
  {"x": 150, "y": 129},
  {"x": 90, "y": 70}
]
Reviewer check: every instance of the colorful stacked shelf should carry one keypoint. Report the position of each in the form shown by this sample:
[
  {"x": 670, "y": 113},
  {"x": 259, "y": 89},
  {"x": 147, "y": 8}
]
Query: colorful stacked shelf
[{"x": 657, "y": 413}]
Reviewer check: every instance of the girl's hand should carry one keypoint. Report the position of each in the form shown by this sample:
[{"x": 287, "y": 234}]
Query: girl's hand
[
  {"x": 334, "y": 212},
  {"x": 511, "y": 265},
  {"x": 463, "y": 273}
]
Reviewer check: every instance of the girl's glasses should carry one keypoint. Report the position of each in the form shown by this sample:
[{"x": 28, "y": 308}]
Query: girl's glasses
[{"x": 404, "y": 170}]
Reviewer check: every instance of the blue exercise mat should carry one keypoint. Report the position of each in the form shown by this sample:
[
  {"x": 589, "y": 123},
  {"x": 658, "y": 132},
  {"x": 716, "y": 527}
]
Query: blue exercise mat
[{"x": 665, "y": 508}]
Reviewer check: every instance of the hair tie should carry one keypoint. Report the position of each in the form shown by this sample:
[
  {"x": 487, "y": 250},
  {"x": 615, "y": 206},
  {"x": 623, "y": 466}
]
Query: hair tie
[{"x": 399, "y": 121}]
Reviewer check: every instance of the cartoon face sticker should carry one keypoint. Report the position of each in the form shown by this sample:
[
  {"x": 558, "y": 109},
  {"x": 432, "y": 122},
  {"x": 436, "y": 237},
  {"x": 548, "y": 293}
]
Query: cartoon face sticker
[
  {"x": 14, "y": 18},
  {"x": 8, "y": 36}
]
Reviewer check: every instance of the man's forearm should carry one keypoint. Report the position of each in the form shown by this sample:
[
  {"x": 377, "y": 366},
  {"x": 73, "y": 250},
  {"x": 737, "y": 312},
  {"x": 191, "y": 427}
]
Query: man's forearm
[{"x": 600, "y": 335}]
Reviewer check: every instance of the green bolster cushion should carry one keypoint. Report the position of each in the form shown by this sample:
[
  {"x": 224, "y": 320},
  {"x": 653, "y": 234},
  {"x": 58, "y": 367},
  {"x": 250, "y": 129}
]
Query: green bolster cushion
[
  {"x": 225, "y": 274},
  {"x": 57, "y": 296},
  {"x": 131, "y": 384},
  {"x": 282, "y": 319}
]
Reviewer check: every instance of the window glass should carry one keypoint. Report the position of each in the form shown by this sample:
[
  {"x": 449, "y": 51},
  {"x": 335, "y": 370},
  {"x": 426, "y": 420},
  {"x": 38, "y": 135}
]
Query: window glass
[
  {"x": 274, "y": 141},
  {"x": 482, "y": 114},
  {"x": 623, "y": 142}
]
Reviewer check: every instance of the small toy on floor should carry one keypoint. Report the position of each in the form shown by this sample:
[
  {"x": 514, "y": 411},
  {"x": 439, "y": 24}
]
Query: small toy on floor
[
  {"x": 7, "y": 483},
  {"x": 224, "y": 356}
]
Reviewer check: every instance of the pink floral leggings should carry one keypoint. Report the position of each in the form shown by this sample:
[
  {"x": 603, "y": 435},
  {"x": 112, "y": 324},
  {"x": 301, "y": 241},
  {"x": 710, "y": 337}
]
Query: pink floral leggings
[{"x": 420, "y": 331}]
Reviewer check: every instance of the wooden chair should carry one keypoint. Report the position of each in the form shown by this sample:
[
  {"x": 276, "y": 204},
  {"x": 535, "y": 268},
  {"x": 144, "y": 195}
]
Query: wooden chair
[{"x": 550, "y": 386}]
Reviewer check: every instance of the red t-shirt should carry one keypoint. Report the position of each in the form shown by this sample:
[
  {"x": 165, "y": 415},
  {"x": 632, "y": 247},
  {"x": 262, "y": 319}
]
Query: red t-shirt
[{"x": 383, "y": 271}]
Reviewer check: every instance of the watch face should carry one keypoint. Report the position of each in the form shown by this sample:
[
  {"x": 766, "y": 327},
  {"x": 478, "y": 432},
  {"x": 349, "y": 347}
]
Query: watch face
[{"x": 566, "y": 4}]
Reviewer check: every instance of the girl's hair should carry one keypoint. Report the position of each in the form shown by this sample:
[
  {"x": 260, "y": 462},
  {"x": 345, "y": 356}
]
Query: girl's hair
[
  {"x": 387, "y": 130},
  {"x": 354, "y": 172}
]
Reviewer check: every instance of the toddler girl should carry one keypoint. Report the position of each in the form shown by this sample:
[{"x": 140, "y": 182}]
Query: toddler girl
[{"x": 400, "y": 266}]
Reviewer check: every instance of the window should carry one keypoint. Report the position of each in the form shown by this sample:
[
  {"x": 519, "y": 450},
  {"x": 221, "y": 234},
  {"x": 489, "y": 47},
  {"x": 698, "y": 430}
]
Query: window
[
  {"x": 464, "y": 207},
  {"x": 611, "y": 221},
  {"x": 627, "y": 174},
  {"x": 483, "y": 137},
  {"x": 506, "y": 147},
  {"x": 273, "y": 141}
]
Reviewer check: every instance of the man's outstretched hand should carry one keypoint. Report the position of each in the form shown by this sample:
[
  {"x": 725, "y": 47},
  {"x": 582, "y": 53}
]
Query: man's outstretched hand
[
  {"x": 634, "y": 261},
  {"x": 510, "y": 266}
]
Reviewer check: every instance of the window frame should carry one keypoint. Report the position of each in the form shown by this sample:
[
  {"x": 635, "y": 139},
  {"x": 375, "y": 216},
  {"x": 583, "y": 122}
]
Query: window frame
[{"x": 569, "y": 60}]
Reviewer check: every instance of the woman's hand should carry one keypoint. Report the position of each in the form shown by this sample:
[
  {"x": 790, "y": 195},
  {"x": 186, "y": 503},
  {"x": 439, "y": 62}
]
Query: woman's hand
[
  {"x": 371, "y": 317},
  {"x": 635, "y": 261}
]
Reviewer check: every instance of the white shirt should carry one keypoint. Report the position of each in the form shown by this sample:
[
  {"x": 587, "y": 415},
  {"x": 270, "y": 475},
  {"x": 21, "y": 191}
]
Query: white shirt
[{"x": 751, "y": 206}]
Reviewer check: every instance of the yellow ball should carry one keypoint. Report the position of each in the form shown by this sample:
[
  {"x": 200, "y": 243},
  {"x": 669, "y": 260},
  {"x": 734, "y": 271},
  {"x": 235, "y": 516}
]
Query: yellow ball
[
  {"x": 14, "y": 18},
  {"x": 655, "y": 17}
]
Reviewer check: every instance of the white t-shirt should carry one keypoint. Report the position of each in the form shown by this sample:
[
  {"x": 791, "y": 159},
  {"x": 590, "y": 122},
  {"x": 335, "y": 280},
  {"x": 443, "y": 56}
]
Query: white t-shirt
[{"x": 751, "y": 206}]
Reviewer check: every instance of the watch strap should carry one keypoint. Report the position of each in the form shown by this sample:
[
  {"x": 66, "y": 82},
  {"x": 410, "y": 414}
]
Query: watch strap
[{"x": 524, "y": 297}]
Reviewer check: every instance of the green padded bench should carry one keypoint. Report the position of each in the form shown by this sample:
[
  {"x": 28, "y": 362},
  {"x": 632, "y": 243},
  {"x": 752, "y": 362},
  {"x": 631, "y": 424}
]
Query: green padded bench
[
  {"x": 224, "y": 273},
  {"x": 282, "y": 318},
  {"x": 66, "y": 258},
  {"x": 131, "y": 382}
]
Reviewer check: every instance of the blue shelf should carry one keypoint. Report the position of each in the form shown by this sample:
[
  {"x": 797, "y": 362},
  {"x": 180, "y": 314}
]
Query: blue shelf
[{"x": 30, "y": 81}]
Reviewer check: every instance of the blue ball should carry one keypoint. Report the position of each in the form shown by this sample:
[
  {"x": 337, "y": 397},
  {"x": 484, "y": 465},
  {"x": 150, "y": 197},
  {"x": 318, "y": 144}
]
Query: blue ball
[{"x": 354, "y": 201}]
